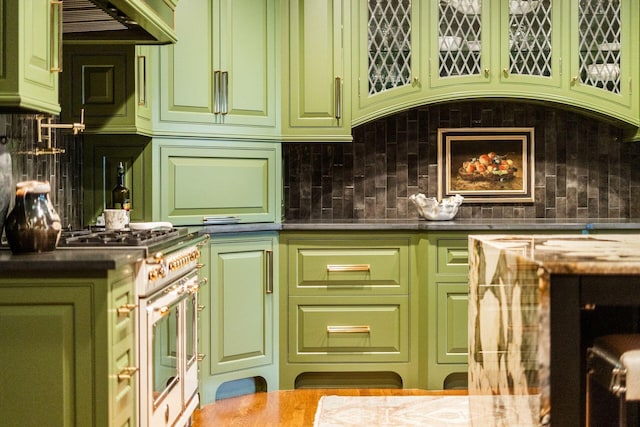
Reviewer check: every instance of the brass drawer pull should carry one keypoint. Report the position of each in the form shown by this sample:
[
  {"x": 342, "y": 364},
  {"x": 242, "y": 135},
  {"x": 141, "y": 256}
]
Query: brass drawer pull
[
  {"x": 348, "y": 267},
  {"x": 127, "y": 373},
  {"x": 363, "y": 329},
  {"x": 126, "y": 309}
]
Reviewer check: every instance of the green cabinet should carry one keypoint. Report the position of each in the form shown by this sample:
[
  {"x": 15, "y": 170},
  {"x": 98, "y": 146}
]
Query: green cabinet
[
  {"x": 446, "y": 270},
  {"x": 416, "y": 52},
  {"x": 30, "y": 54},
  {"x": 238, "y": 332},
  {"x": 200, "y": 179},
  {"x": 65, "y": 349},
  {"x": 388, "y": 48},
  {"x": 316, "y": 72},
  {"x": 220, "y": 77},
  {"x": 349, "y": 310},
  {"x": 604, "y": 60},
  {"x": 102, "y": 83}
]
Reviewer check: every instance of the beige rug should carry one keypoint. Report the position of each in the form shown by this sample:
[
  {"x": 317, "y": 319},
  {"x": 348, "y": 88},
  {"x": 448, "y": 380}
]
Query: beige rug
[{"x": 371, "y": 411}]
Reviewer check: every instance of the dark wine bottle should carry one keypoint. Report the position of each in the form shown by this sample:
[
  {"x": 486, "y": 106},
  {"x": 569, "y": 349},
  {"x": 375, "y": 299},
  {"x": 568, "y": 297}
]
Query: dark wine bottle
[{"x": 120, "y": 195}]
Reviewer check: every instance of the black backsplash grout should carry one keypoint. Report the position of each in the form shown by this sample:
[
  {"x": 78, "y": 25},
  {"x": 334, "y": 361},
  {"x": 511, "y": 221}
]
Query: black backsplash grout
[{"x": 583, "y": 169}]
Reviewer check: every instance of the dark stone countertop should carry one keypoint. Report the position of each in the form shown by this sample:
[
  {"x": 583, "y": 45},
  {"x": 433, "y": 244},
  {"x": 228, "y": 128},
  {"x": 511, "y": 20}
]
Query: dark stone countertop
[
  {"x": 509, "y": 224},
  {"x": 68, "y": 261}
]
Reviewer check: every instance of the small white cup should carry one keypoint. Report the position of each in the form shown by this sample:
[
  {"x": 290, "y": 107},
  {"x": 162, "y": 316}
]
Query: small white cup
[{"x": 115, "y": 219}]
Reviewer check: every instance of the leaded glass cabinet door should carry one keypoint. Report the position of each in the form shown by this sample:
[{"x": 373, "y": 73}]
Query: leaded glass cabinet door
[
  {"x": 531, "y": 41},
  {"x": 388, "y": 53},
  {"x": 461, "y": 45},
  {"x": 605, "y": 56}
]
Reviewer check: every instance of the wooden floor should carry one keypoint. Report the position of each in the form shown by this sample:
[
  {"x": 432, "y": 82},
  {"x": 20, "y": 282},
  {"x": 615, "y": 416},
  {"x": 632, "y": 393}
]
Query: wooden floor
[{"x": 286, "y": 407}]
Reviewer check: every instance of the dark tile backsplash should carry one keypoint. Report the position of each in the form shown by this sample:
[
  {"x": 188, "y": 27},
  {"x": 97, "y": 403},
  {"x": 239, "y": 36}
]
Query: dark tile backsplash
[
  {"x": 582, "y": 168},
  {"x": 63, "y": 171}
]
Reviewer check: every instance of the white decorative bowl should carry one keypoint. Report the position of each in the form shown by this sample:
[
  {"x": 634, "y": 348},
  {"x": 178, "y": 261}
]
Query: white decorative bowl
[
  {"x": 522, "y": 7},
  {"x": 429, "y": 207},
  {"x": 449, "y": 43},
  {"x": 604, "y": 72},
  {"x": 467, "y": 7}
]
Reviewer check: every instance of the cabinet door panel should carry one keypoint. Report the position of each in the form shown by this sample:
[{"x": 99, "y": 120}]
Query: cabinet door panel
[
  {"x": 247, "y": 35},
  {"x": 202, "y": 182},
  {"x": 453, "y": 299},
  {"x": 186, "y": 67},
  {"x": 44, "y": 336},
  {"x": 242, "y": 314}
]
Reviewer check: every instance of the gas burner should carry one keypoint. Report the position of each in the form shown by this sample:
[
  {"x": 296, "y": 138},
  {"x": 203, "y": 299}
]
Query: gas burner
[{"x": 118, "y": 238}]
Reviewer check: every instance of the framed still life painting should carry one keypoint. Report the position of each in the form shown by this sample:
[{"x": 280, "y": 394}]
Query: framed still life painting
[{"x": 486, "y": 165}]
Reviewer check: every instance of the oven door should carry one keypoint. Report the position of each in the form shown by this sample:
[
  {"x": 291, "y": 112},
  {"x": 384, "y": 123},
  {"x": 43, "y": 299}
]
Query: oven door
[
  {"x": 162, "y": 352},
  {"x": 191, "y": 310}
]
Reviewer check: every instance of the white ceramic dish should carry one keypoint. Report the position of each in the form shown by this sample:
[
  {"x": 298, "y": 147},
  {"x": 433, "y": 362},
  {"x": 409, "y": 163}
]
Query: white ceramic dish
[
  {"x": 467, "y": 7},
  {"x": 522, "y": 7},
  {"x": 609, "y": 47},
  {"x": 449, "y": 43},
  {"x": 429, "y": 207},
  {"x": 149, "y": 225},
  {"x": 604, "y": 72}
]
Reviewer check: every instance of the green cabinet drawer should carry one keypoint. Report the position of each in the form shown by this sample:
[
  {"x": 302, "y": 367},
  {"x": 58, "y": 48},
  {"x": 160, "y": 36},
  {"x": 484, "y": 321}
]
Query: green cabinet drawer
[
  {"x": 348, "y": 329},
  {"x": 452, "y": 256},
  {"x": 355, "y": 267}
]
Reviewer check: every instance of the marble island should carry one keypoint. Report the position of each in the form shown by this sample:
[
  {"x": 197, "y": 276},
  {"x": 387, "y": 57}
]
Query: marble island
[{"x": 528, "y": 295}]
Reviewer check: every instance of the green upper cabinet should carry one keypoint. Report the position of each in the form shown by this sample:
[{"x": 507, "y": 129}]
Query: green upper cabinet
[
  {"x": 604, "y": 56},
  {"x": 315, "y": 72},
  {"x": 30, "y": 55},
  {"x": 387, "y": 52},
  {"x": 466, "y": 48},
  {"x": 100, "y": 82},
  {"x": 197, "y": 180},
  {"x": 220, "y": 77}
]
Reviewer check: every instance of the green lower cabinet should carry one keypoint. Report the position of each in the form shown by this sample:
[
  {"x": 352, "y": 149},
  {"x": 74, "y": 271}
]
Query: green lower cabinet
[
  {"x": 62, "y": 348},
  {"x": 447, "y": 268},
  {"x": 351, "y": 317},
  {"x": 238, "y": 334}
]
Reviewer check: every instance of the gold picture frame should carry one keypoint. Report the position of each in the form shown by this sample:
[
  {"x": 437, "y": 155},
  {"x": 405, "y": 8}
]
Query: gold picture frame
[{"x": 486, "y": 165}]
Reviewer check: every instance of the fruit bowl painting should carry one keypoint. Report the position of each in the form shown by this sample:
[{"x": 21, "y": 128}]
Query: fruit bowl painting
[{"x": 486, "y": 165}]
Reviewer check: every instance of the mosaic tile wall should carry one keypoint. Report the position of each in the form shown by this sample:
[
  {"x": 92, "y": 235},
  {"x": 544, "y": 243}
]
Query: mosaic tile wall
[
  {"x": 582, "y": 168},
  {"x": 63, "y": 171}
]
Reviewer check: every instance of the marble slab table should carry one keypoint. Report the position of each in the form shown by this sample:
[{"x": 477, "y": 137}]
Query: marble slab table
[{"x": 528, "y": 296}]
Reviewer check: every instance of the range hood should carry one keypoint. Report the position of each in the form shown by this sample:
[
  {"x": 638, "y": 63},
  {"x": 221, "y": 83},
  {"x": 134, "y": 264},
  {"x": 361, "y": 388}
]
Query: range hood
[{"x": 126, "y": 21}]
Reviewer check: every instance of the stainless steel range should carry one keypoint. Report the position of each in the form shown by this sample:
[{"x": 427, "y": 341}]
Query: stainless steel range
[{"x": 167, "y": 307}]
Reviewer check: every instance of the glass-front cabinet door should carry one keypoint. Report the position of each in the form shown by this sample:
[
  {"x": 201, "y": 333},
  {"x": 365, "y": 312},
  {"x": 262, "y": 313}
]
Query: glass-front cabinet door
[
  {"x": 604, "y": 53},
  {"x": 387, "y": 54},
  {"x": 531, "y": 47},
  {"x": 495, "y": 41}
]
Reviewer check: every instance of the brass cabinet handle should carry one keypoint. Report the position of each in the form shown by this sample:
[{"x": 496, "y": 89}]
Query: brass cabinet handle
[
  {"x": 216, "y": 92},
  {"x": 332, "y": 268},
  {"x": 200, "y": 357},
  {"x": 164, "y": 310},
  {"x": 55, "y": 43},
  {"x": 142, "y": 80},
  {"x": 338, "y": 96},
  {"x": 200, "y": 308},
  {"x": 224, "y": 85},
  {"x": 125, "y": 310},
  {"x": 127, "y": 373},
  {"x": 269, "y": 254},
  {"x": 360, "y": 329},
  {"x": 574, "y": 80},
  {"x": 505, "y": 72},
  {"x": 486, "y": 72}
]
